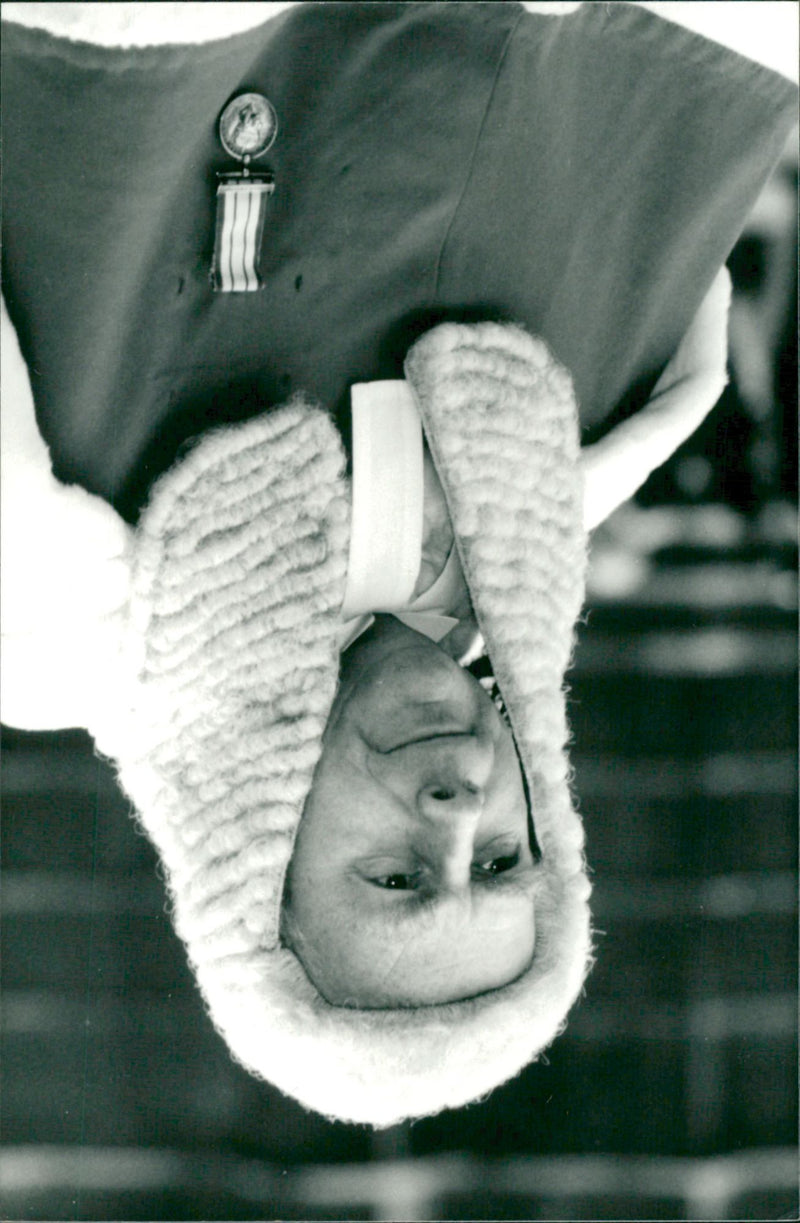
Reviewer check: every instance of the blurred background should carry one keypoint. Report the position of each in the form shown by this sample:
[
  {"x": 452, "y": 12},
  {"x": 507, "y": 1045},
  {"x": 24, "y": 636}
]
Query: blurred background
[{"x": 673, "y": 1092}]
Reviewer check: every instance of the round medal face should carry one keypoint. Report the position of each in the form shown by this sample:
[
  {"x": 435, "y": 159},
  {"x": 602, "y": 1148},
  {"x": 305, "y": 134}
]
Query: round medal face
[{"x": 248, "y": 126}]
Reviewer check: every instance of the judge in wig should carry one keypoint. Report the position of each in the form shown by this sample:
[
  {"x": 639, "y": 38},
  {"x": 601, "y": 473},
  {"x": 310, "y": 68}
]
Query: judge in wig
[{"x": 329, "y": 338}]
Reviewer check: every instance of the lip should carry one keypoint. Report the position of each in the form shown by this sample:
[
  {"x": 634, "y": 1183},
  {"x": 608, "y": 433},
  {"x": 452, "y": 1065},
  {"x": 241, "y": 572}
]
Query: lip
[{"x": 428, "y": 738}]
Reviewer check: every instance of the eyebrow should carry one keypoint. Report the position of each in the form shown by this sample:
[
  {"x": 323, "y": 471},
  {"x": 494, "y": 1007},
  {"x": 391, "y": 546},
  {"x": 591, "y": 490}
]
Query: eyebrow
[
  {"x": 419, "y": 905},
  {"x": 521, "y": 881}
]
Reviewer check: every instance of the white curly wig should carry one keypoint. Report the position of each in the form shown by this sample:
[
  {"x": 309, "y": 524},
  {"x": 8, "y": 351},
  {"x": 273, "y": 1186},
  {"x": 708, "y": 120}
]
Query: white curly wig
[{"x": 238, "y": 579}]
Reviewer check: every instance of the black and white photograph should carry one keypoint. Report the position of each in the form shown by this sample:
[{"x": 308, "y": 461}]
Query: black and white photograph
[{"x": 399, "y": 671}]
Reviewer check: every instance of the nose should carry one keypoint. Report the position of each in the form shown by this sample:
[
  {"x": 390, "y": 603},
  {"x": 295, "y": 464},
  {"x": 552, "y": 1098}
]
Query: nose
[
  {"x": 450, "y": 810},
  {"x": 450, "y": 798},
  {"x": 452, "y": 776}
]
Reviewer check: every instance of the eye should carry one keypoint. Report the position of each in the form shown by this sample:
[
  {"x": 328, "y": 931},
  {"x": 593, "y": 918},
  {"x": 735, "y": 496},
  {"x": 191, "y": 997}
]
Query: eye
[
  {"x": 398, "y": 881},
  {"x": 498, "y": 866}
]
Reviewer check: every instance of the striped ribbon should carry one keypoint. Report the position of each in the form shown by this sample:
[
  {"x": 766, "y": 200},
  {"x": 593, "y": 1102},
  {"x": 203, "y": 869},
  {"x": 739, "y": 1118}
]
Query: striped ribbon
[{"x": 241, "y": 207}]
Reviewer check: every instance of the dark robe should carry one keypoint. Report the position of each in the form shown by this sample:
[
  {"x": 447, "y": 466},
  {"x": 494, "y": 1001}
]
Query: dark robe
[{"x": 583, "y": 175}]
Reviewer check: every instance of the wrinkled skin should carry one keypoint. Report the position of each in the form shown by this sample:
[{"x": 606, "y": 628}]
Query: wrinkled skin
[{"x": 412, "y": 881}]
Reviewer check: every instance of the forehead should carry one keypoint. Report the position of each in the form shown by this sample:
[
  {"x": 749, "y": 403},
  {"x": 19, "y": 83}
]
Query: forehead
[{"x": 422, "y": 953}]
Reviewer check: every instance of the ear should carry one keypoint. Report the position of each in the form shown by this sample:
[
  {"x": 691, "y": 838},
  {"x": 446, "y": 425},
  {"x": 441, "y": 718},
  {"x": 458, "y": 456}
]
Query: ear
[{"x": 685, "y": 393}]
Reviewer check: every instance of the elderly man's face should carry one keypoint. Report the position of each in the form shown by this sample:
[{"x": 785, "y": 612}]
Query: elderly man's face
[{"x": 412, "y": 879}]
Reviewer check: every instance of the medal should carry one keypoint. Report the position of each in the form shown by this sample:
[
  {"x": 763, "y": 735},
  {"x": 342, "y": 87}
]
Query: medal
[{"x": 247, "y": 129}]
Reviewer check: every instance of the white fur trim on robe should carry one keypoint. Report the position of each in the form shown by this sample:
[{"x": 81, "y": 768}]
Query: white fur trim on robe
[
  {"x": 765, "y": 31},
  {"x": 66, "y": 574},
  {"x": 65, "y": 551},
  {"x": 683, "y": 396},
  {"x": 145, "y": 24}
]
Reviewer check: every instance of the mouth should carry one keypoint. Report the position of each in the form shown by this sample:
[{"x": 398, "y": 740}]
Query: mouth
[{"x": 428, "y": 737}]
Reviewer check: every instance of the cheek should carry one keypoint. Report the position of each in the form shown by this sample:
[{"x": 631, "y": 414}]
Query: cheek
[
  {"x": 509, "y": 773},
  {"x": 339, "y": 812}
]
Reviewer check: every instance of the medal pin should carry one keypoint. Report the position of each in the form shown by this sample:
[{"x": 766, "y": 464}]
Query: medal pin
[{"x": 247, "y": 129}]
